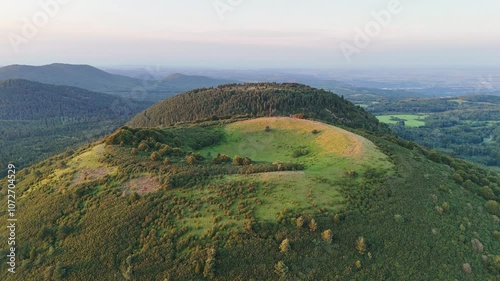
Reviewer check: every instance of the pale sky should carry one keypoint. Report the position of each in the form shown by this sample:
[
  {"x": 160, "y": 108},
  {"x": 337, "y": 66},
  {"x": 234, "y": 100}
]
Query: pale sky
[{"x": 252, "y": 34}]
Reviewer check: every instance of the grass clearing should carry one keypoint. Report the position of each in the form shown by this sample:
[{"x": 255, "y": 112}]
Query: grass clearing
[
  {"x": 411, "y": 120},
  {"x": 331, "y": 153},
  {"x": 292, "y": 191}
]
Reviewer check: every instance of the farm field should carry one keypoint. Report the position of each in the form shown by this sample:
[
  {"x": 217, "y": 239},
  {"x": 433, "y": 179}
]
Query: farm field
[{"x": 411, "y": 120}]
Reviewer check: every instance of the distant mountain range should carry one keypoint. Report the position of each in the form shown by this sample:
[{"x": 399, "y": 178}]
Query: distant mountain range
[
  {"x": 27, "y": 100},
  {"x": 93, "y": 79},
  {"x": 182, "y": 81}
]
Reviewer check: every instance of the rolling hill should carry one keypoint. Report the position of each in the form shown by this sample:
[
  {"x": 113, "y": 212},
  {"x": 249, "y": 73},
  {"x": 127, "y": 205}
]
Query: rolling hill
[
  {"x": 81, "y": 76},
  {"x": 39, "y": 120},
  {"x": 257, "y": 99},
  {"x": 255, "y": 198},
  {"x": 146, "y": 88}
]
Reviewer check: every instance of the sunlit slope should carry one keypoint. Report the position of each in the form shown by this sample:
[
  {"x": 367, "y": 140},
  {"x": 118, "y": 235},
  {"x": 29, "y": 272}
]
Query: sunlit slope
[{"x": 329, "y": 154}]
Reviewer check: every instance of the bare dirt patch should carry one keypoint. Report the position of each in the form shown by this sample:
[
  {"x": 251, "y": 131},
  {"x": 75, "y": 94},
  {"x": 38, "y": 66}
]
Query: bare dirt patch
[
  {"x": 142, "y": 185},
  {"x": 90, "y": 174}
]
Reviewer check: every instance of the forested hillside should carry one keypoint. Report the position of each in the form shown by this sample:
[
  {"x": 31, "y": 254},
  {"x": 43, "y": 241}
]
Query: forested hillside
[
  {"x": 38, "y": 120},
  {"x": 261, "y": 99}
]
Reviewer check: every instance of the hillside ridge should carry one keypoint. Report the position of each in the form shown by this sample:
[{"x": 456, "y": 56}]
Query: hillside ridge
[{"x": 257, "y": 99}]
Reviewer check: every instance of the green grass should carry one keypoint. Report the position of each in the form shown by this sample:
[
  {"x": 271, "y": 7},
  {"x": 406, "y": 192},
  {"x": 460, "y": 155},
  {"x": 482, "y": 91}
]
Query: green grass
[
  {"x": 460, "y": 101},
  {"x": 411, "y": 120},
  {"x": 332, "y": 152}
]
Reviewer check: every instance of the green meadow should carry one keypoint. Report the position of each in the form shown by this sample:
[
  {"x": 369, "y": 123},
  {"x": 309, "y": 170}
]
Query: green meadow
[{"x": 411, "y": 120}]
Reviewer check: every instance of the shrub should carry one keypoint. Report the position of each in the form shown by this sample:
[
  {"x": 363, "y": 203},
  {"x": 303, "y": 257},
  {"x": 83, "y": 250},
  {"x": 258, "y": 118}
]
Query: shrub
[
  {"x": 398, "y": 218},
  {"x": 143, "y": 146},
  {"x": 165, "y": 150},
  {"x": 496, "y": 234},
  {"x": 247, "y": 161},
  {"x": 487, "y": 193},
  {"x": 154, "y": 156},
  {"x": 458, "y": 178},
  {"x": 352, "y": 173},
  {"x": 300, "y": 152},
  {"x": 198, "y": 156},
  {"x": 327, "y": 236},
  {"x": 281, "y": 269},
  {"x": 237, "y": 160},
  {"x": 477, "y": 245},
  {"x": 468, "y": 184},
  {"x": 467, "y": 268},
  {"x": 240, "y": 161},
  {"x": 221, "y": 158},
  {"x": 313, "y": 225},
  {"x": 167, "y": 162},
  {"x": 300, "y": 222},
  {"x": 493, "y": 207},
  {"x": 191, "y": 160},
  {"x": 445, "y": 206},
  {"x": 361, "y": 245},
  {"x": 285, "y": 246},
  {"x": 209, "y": 269}
]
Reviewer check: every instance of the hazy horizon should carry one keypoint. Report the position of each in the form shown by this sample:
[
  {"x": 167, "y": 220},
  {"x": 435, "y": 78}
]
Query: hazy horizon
[{"x": 252, "y": 34}]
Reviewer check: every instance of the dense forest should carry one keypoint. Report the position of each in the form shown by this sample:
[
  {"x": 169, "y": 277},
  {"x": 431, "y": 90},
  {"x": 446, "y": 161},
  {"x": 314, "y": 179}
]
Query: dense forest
[
  {"x": 467, "y": 127},
  {"x": 260, "y": 99},
  {"x": 39, "y": 120}
]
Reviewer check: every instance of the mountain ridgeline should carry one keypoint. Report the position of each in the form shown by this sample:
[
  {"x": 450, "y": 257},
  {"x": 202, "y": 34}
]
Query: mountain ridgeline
[
  {"x": 146, "y": 87},
  {"x": 260, "y": 99},
  {"x": 81, "y": 76},
  {"x": 26, "y": 100},
  {"x": 48, "y": 119}
]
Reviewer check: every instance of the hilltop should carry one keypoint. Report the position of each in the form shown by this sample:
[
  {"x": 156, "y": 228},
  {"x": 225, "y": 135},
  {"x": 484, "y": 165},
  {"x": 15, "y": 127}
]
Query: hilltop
[{"x": 257, "y": 99}]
